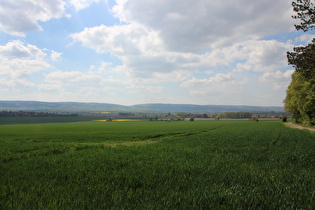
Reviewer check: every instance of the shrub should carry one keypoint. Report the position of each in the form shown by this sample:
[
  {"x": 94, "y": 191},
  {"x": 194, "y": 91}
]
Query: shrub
[
  {"x": 284, "y": 118},
  {"x": 254, "y": 119}
]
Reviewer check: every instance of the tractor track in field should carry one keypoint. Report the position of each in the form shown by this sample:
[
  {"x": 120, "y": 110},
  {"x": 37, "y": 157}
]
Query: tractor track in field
[{"x": 81, "y": 146}]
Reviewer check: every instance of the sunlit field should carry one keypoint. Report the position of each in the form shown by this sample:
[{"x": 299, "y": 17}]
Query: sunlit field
[{"x": 157, "y": 165}]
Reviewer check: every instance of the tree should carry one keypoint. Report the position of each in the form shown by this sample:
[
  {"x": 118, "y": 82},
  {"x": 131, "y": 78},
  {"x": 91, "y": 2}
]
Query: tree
[
  {"x": 306, "y": 13},
  {"x": 300, "y": 99},
  {"x": 284, "y": 118},
  {"x": 303, "y": 59}
]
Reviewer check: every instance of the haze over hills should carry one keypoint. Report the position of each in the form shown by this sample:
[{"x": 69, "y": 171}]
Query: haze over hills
[{"x": 107, "y": 107}]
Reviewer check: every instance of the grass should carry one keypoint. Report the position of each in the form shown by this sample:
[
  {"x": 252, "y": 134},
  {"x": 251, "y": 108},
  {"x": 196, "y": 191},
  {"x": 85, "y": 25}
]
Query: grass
[{"x": 157, "y": 165}]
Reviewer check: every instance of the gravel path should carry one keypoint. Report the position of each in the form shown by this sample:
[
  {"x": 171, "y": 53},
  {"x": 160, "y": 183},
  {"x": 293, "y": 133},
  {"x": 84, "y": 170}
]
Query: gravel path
[{"x": 299, "y": 127}]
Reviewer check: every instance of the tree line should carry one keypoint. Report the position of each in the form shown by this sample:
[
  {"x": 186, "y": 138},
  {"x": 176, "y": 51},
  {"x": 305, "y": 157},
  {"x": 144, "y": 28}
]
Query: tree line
[
  {"x": 300, "y": 98},
  {"x": 232, "y": 115},
  {"x": 34, "y": 114}
]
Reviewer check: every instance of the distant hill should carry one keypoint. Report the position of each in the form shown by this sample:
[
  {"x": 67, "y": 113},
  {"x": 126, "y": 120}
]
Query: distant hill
[{"x": 106, "y": 107}]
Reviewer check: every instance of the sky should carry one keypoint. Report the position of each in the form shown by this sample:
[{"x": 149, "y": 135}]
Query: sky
[{"x": 147, "y": 51}]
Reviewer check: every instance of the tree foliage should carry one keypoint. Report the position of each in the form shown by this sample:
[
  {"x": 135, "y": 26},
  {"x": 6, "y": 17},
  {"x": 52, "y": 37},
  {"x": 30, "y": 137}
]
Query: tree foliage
[
  {"x": 306, "y": 13},
  {"x": 303, "y": 59},
  {"x": 300, "y": 99},
  {"x": 235, "y": 115}
]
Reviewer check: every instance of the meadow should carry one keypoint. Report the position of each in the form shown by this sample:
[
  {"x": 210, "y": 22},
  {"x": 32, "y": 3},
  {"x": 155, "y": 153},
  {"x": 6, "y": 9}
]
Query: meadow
[{"x": 157, "y": 165}]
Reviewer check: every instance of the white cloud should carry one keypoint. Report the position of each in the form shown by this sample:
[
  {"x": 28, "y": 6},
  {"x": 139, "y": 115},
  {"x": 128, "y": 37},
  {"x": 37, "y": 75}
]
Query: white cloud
[
  {"x": 24, "y": 83},
  {"x": 20, "y": 17},
  {"x": 211, "y": 81},
  {"x": 278, "y": 80},
  {"x": 106, "y": 68},
  {"x": 72, "y": 77},
  {"x": 140, "y": 50},
  {"x": 198, "y": 47},
  {"x": 197, "y": 25},
  {"x": 263, "y": 55},
  {"x": 18, "y": 61},
  {"x": 20, "y": 68},
  {"x": 18, "y": 50},
  {"x": 50, "y": 87},
  {"x": 209, "y": 72},
  {"x": 148, "y": 92},
  {"x": 81, "y": 4},
  {"x": 150, "y": 63},
  {"x": 306, "y": 38},
  {"x": 144, "y": 54},
  {"x": 78, "y": 81},
  {"x": 93, "y": 85},
  {"x": 216, "y": 89},
  {"x": 16, "y": 84},
  {"x": 56, "y": 56},
  {"x": 119, "y": 39}
]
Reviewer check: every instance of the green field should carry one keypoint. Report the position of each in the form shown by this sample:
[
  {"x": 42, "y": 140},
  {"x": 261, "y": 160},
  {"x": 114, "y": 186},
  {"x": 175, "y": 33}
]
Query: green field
[
  {"x": 157, "y": 165},
  {"x": 39, "y": 120}
]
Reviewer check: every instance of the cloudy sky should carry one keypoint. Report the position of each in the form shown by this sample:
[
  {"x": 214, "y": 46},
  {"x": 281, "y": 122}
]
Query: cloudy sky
[{"x": 147, "y": 51}]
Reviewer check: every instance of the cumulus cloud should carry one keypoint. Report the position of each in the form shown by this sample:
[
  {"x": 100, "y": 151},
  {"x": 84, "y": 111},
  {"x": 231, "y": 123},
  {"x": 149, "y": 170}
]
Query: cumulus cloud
[
  {"x": 120, "y": 39},
  {"x": 56, "y": 56},
  {"x": 50, "y": 87},
  {"x": 20, "y": 17},
  {"x": 81, "y": 4},
  {"x": 167, "y": 36},
  {"x": 278, "y": 80},
  {"x": 144, "y": 54},
  {"x": 18, "y": 50},
  {"x": 19, "y": 60},
  {"x": 20, "y": 68},
  {"x": 16, "y": 84},
  {"x": 263, "y": 55},
  {"x": 72, "y": 77},
  {"x": 140, "y": 50},
  {"x": 186, "y": 42},
  {"x": 196, "y": 25},
  {"x": 78, "y": 81},
  {"x": 224, "y": 84},
  {"x": 209, "y": 81}
]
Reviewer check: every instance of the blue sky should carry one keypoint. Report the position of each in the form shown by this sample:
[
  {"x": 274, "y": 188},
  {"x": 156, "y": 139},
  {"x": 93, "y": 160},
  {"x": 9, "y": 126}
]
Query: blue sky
[{"x": 147, "y": 51}]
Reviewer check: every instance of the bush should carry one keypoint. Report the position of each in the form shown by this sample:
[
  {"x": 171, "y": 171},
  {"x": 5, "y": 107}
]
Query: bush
[
  {"x": 254, "y": 119},
  {"x": 284, "y": 118}
]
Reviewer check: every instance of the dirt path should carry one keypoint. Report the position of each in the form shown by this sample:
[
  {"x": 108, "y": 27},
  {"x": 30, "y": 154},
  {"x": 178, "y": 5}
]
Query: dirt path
[{"x": 299, "y": 127}]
